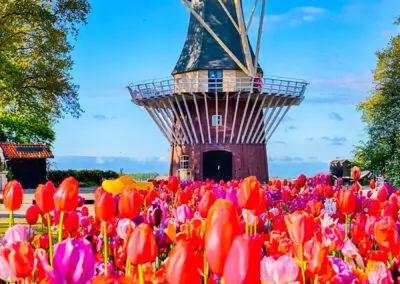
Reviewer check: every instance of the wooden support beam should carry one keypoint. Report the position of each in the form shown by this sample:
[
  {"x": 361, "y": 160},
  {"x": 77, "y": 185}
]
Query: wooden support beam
[
  {"x": 156, "y": 120},
  {"x": 183, "y": 118},
  {"x": 216, "y": 113},
  {"x": 243, "y": 117},
  {"x": 249, "y": 119},
  {"x": 229, "y": 15},
  {"x": 190, "y": 118},
  {"x": 279, "y": 122},
  {"x": 256, "y": 118},
  {"x": 248, "y": 71},
  {"x": 260, "y": 31},
  {"x": 253, "y": 11},
  {"x": 226, "y": 115},
  {"x": 207, "y": 118},
  {"x": 268, "y": 120},
  {"x": 255, "y": 135},
  {"x": 234, "y": 118},
  {"x": 198, "y": 118},
  {"x": 179, "y": 120},
  {"x": 244, "y": 38}
]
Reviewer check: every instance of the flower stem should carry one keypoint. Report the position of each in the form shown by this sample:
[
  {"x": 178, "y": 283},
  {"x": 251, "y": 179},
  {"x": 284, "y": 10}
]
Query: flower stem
[
  {"x": 222, "y": 280},
  {"x": 247, "y": 227},
  {"x": 11, "y": 218},
  {"x": 316, "y": 279},
  {"x": 141, "y": 281},
  {"x": 60, "y": 226},
  {"x": 255, "y": 227},
  {"x": 303, "y": 272},
  {"x": 105, "y": 248},
  {"x": 50, "y": 239},
  {"x": 205, "y": 267},
  {"x": 128, "y": 267},
  {"x": 346, "y": 227}
]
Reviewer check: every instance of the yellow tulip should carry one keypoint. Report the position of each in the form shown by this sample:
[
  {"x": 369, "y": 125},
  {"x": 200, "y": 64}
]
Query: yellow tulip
[{"x": 113, "y": 186}]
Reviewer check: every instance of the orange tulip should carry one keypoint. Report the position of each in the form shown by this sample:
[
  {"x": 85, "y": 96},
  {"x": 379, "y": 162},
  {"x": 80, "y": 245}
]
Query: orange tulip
[
  {"x": 66, "y": 196},
  {"x": 13, "y": 195},
  {"x": 346, "y": 201},
  {"x": 222, "y": 227},
  {"x": 182, "y": 267},
  {"x": 249, "y": 193},
  {"x": 44, "y": 196},
  {"x": 372, "y": 184},
  {"x": 243, "y": 261},
  {"x": 205, "y": 203},
  {"x": 314, "y": 207},
  {"x": 300, "y": 226},
  {"x": 356, "y": 173},
  {"x": 104, "y": 205},
  {"x": 130, "y": 204},
  {"x": 142, "y": 247}
]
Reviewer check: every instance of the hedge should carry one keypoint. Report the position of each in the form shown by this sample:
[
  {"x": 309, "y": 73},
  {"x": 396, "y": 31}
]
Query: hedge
[{"x": 94, "y": 177}]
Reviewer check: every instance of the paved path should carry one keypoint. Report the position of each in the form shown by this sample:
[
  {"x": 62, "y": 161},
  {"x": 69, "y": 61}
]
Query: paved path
[{"x": 28, "y": 198}]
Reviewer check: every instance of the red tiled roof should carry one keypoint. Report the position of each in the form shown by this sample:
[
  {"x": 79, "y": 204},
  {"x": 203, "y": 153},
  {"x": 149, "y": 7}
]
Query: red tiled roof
[{"x": 25, "y": 151}]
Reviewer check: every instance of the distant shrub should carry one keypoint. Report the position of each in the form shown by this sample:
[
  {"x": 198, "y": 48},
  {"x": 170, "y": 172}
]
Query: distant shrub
[
  {"x": 144, "y": 176},
  {"x": 85, "y": 177}
]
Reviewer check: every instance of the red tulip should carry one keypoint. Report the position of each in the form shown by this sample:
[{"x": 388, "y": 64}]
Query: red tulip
[
  {"x": 318, "y": 258},
  {"x": 249, "y": 193},
  {"x": 346, "y": 201},
  {"x": 142, "y": 247},
  {"x": 21, "y": 259},
  {"x": 104, "y": 205},
  {"x": 356, "y": 173},
  {"x": 222, "y": 227},
  {"x": 173, "y": 184},
  {"x": 372, "y": 184},
  {"x": 374, "y": 207},
  {"x": 205, "y": 203},
  {"x": 44, "y": 196},
  {"x": 66, "y": 196},
  {"x": 130, "y": 204},
  {"x": 71, "y": 223},
  {"x": 300, "y": 226},
  {"x": 386, "y": 234},
  {"x": 32, "y": 214},
  {"x": 301, "y": 181},
  {"x": 243, "y": 261},
  {"x": 13, "y": 195},
  {"x": 382, "y": 194},
  {"x": 262, "y": 204},
  {"x": 182, "y": 267}
]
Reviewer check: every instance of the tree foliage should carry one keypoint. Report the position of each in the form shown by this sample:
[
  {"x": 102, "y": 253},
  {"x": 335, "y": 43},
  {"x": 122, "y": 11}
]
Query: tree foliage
[
  {"x": 36, "y": 87},
  {"x": 381, "y": 113}
]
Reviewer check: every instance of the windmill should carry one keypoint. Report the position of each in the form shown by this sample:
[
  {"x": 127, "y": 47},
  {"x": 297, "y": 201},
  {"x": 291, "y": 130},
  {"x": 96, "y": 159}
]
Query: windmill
[{"x": 217, "y": 111}]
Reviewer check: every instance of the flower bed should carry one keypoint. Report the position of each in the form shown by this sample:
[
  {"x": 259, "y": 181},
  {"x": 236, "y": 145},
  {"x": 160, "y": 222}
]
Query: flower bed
[{"x": 304, "y": 231}]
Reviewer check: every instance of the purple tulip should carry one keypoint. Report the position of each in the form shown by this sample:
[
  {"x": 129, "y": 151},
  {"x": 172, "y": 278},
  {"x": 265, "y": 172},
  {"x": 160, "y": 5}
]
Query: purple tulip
[
  {"x": 231, "y": 195},
  {"x": 74, "y": 261}
]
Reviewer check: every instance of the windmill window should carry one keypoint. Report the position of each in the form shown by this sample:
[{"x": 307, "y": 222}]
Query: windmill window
[
  {"x": 214, "y": 81},
  {"x": 184, "y": 162},
  {"x": 217, "y": 120}
]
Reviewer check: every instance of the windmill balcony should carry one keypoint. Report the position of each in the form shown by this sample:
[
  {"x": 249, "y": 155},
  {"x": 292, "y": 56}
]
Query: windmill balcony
[{"x": 154, "y": 89}]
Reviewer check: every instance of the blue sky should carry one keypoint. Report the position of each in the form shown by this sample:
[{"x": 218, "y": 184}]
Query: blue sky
[{"x": 331, "y": 44}]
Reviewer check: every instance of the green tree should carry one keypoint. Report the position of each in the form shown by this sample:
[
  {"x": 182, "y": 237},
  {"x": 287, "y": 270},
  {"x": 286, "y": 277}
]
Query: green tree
[
  {"x": 36, "y": 87},
  {"x": 381, "y": 113}
]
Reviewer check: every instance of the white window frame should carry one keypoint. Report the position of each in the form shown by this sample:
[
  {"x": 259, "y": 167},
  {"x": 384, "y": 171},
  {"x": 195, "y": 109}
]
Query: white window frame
[
  {"x": 184, "y": 162},
  {"x": 216, "y": 120}
]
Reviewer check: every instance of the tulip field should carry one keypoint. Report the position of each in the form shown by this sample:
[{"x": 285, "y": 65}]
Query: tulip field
[{"x": 302, "y": 231}]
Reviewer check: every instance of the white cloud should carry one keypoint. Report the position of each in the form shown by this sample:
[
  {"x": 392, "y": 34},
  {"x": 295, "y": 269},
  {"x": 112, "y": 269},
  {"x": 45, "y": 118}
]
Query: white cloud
[{"x": 298, "y": 16}]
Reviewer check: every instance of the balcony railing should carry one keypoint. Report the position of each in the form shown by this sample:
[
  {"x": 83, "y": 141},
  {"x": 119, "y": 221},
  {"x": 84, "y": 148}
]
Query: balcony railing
[{"x": 159, "y": 88}]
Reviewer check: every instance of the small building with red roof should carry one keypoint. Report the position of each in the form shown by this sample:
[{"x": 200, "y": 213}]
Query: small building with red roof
[{"x": 27, "y": 163}]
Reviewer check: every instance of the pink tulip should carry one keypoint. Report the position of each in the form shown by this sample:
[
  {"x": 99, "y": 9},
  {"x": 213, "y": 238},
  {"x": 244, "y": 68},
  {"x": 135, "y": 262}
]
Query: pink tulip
[
  {"x": 5, "y": 269},
  {"x": 18, "y": 233},
  {"x": 123, "y": 228},
  {"x": 380, "y": 274},
  {"x": 284, "y": 270},
  {"x": 182, "y": 213}
]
